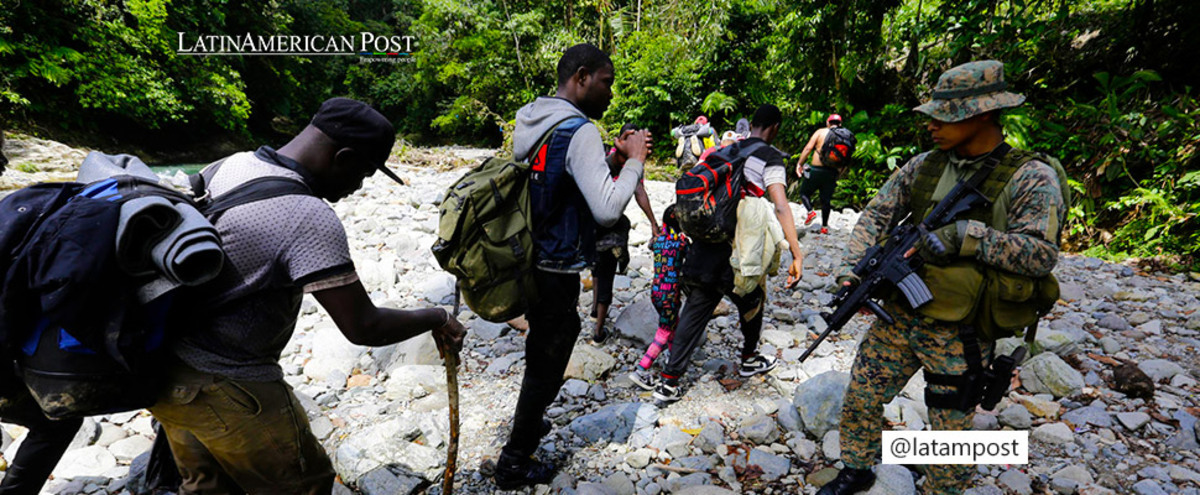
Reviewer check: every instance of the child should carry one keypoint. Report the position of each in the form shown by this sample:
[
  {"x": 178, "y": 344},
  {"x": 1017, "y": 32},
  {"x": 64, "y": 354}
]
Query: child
[{"x": 668, "y": 250}]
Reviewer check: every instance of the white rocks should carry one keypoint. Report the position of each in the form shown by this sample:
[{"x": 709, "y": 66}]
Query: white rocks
[
  {"x": 639, "y": 458},
  {"x": 617, "y": 423},
  {"x": 1016, "y": 481},
  {"x": 385, "y": 444},
  {"x": 759, "y": 429},
  {"x": 1054, "y": 433},
  {"x": 487, "y": 331},
  {"x": 333, "y": 357},
  {"x": 831, "y": 445},
  {"x": 436, "y": 287},
  {"x": 1160, "y": 369},
  {"x": 892, "y": 479},
  {"x": 589, "y": 363},
  {"x": 1048, "y": 373},
  {"x": 88, "y": 461},
  {"x": 127, "y": 449},
  {"x": 414, "y": 381},
  {"x": 1016, "y": 416},
  {"x": 819, "y": 401},
  {"x": 1133, "y": 421}
]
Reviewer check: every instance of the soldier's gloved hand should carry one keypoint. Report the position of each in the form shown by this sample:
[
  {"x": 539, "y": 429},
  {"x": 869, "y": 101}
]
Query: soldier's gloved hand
[
  {"x": 944, "y": 244},
  {"x": 849, "y": 280}
]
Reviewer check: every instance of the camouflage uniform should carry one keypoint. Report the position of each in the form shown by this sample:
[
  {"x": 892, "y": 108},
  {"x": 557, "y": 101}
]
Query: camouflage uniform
[{"x": 891, "y": 354}]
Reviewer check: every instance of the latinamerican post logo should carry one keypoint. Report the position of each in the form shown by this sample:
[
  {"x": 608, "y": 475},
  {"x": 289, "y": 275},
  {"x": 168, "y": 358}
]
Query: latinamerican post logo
[{"x": 397, "y": 47}]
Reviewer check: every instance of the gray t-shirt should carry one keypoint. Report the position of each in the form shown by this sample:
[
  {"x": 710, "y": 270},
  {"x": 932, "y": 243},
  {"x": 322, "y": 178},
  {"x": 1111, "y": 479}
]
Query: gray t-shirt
[{"x": 278, "y": 249}]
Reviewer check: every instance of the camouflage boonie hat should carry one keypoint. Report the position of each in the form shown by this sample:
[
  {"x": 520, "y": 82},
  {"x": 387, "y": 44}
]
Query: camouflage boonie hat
[{"x": 968, "y": 90}]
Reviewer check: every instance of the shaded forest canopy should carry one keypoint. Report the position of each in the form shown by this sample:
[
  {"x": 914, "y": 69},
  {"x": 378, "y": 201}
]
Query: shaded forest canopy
[{"x": 1110, "y": 83}]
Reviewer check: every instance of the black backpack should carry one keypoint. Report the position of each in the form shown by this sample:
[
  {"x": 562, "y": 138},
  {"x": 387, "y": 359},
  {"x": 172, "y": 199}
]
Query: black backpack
[
  {"x": 838, "y": 148},
  {"x": 706, "y": 197},
  {"x": 86, "y": 351}
]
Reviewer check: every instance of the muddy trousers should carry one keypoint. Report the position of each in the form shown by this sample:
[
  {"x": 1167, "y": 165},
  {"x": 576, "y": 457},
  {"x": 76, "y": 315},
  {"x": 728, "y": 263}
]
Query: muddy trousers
[
  {"x": 697, "y": 311},
  {"x": 42, "y": 448},
  {"x": 887, "y": 358},
  {"x": 553, "y": 327},
  {"x": 233, "y": 436}
]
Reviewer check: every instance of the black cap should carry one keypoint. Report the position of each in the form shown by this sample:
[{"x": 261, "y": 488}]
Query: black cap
[{"x": 354, "y": 124}]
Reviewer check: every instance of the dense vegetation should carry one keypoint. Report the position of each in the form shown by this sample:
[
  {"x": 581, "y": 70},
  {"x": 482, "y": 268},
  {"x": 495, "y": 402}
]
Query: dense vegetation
[{"x": 1109, "y": 82}]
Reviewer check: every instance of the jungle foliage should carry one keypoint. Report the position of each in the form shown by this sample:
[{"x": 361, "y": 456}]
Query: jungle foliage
[{"x": 1109, "y": 86}]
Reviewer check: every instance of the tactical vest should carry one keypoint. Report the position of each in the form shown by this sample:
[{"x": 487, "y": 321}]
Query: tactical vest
[
  {"x": 564, "y": 230},
  {"x": 997, "y": 302}
]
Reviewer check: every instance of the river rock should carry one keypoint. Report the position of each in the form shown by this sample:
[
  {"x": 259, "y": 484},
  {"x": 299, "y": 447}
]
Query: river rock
[
  {"x": 1091, "y": 415},
  {"x": 333, "y": 357},
  {"x": 1077, "y": 473},
  {"x": 385, "y": 444},
  {"x": 1016, "y": 416},
  {"x": 638, "y": 322},
  {"x": 787, "y": 416},
  {"x": 773, "y": 466},
  {"x": 1160, "y": 369},
  {"x": 819, "y": 401},
  {"x": 672, "y": 440},
  {"x": 382, "y": 481},
  {"x": 617, "y": 423},
  {"x": 88, "y": 461},
  {"x": 414, "y": 381},
  {"x": 892, "y": 479},
  {"x": 831, "y": 445},
  {"x": 1016, "y": 481},
  {"x": 487, "y": 331},
  {"x": 1133, "y": 421},
  {"x": 1148, "y": 487},
  {"x": 760, "y": 429},
  {"x": 436, "y": 287},
  {"x": 620, "y": 484},
  {"x": 710, "y": 436},
  {"x": 588, "y": 488},
  {"x": 589, "y": 363},
  {"x": 1048, "y": 373},
  {"x": 127, "y": 449},
  {"x": 1055, "y": 433}
]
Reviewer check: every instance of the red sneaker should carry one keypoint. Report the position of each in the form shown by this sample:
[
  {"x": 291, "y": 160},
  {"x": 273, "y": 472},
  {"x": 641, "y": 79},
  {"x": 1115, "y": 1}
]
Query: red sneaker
[
  {"x": 824, "y": 230},
  {"x": 811, "y": 215}
]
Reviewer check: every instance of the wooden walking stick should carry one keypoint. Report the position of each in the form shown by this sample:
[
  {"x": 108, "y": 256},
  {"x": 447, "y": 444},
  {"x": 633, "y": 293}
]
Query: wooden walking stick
[{"x": 450, "y": 358}]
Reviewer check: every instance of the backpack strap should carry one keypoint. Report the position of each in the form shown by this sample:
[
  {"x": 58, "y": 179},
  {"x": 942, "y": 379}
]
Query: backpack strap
[
  {"x": 253, "y": 190},
  {"x": 564, "y": 128},
  {"x": 200, "y": 180}
]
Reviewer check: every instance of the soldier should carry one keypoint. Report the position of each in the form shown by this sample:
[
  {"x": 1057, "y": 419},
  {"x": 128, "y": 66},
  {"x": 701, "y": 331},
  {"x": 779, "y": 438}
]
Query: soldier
[{"x": 1011, "y": 242}]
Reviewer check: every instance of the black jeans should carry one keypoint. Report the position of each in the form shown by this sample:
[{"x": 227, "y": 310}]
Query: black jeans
[
  {"x": 43, "y": 447},
  {"x": 602, "y": 276},
  {"x": 553, "y": 327},
  {"x": 822, "y": 180},
  {"x": 695, "y": 315}
]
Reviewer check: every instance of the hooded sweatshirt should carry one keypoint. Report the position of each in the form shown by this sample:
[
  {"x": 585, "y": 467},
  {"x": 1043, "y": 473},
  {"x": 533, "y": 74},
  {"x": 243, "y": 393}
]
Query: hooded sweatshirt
[{"x": 605, "y": 197}]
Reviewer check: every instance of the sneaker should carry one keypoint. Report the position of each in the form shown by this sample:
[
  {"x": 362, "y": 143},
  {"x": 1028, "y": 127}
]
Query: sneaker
[
  {"x": 513, "y": 472},
  {"x": 644, "y": 379},
  {"x": 811, "y": 215},
  {"x": 601, "y": 334},
  {"x": 757, "y": 365},
  {"x": 667, "y": 391},
  {"x": 825, "y": 230}
]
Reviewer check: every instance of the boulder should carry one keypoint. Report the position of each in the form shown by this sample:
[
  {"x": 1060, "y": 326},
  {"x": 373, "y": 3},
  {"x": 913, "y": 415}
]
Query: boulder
[
  {"x": 638, "y": 322},
  {"x": 819, "y": 401},
  {"x": 616, "y": 423},
  {"x": 589, "y": 363},
  {"x": 1048, "y": 373},
  {"x": 892, "y": 479}
]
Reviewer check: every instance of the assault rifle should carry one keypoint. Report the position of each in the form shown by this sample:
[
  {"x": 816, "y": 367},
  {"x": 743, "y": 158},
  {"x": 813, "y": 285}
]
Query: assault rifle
[{"x": 885, "y": 266}]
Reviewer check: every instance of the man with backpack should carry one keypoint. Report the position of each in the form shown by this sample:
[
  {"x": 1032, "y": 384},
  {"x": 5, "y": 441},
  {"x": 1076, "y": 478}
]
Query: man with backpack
[
  {"x": 989, "y": 271},
  {"x": 234, "y": 425},
  {"x": 707, "y": 271},
  {"x": 571, "y": 192},
  {"x": 46, "y": 440},
  {"x": 835, "y": 148}
]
